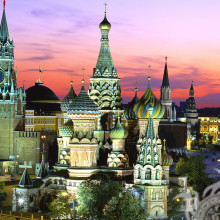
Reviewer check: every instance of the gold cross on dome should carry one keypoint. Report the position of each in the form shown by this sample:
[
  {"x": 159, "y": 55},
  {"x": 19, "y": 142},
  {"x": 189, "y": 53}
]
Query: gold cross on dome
[
  {"x": 105, "y": 7},
  {"x": 149, "y": 69},
  {"x": 164, "y": 142},
  {"x": 83, "y": 72}
]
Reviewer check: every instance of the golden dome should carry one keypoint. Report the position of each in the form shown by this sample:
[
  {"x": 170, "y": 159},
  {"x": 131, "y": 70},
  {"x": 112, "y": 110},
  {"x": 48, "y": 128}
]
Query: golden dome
[{"x": 105, "y": 25}]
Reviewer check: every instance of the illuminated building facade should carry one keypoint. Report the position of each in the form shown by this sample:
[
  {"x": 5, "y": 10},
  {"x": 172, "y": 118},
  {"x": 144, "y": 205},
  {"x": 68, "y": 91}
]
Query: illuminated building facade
[{"x": 210, "y": 126}]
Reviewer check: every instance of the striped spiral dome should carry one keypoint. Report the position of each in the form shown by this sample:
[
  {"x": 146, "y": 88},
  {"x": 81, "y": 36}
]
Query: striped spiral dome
[
  {"x": 167, "y": 160},
  {"x": 67, "y": 129},
  {"x": 129, "y": 109},
  {"x": 141, "y": 108},
  {"x": 118, "y": 132}
]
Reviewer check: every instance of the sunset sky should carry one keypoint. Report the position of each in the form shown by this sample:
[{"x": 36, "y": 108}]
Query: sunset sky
[{"x": 62, "y": 36}]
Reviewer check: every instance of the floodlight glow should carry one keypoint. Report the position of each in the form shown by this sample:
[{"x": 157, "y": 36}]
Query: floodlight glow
[{"x": 20, "y": 201}]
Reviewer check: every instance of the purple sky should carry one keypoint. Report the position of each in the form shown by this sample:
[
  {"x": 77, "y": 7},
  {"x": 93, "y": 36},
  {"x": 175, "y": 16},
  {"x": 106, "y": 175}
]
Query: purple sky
[{"x": 64, "y": 36}]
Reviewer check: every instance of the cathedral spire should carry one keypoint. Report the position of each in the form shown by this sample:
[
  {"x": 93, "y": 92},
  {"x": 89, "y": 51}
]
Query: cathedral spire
[
  {"x": 191, "y": 91},
  {"x": 165, "y": 82},
  {"x": 42, "y": 171},
  {"x": 104, "y": 65},
  {"x": 4, "y": 34}
]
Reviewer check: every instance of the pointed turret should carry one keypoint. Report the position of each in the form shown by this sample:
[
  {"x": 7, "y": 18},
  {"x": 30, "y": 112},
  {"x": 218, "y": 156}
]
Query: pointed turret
[
  {"x": 68, "y": 99},
  {"x": 104, "y": 65},
  {"x": 42, "y": 171},
  {"x": 165, "y": 94},
  {"x": 25, "y": 180},
  {"x": 191, "y": 103},
  {"x": 165, "y": 75},
  {"x": 149, "y": 153},
  {"x": 4, "y": 34},
  {"x": 191, "y": 91}
]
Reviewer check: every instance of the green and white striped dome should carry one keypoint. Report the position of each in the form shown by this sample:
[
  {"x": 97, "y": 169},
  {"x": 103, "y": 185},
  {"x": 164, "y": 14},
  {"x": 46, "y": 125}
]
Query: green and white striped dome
[
  {"x": 118, "y": 132},
  {"x": 67, "y": 129}
]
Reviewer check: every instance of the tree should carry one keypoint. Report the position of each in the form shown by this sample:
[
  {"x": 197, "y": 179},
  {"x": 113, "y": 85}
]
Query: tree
[
  {"x": 194, "y": 168},
  {"x": 2, "y": 193},
  {"x": 173, "y": 202},
  {"x": 60, "y": 207},
  {"x": 125, "y": 207},
  {"x": 94, "y": 194}
]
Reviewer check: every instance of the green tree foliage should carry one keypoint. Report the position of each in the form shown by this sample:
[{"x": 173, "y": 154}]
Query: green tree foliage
[
  {"x": 172, "y": 202},
  {"x": 60, "y": 207},
  {"x": 194, "y": 168},
  {"x": 94, "y": 194},
  {"x": 2, "y": 192},
  {"x": 125, "y": 207}
]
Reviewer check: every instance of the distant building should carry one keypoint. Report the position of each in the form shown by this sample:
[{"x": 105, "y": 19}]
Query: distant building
[{"x": 210, "y": 126}]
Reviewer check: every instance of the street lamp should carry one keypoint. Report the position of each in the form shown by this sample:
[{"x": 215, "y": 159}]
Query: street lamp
[
  {"x": 43, "y": 137},
  {"x": 20, "y": 201}
]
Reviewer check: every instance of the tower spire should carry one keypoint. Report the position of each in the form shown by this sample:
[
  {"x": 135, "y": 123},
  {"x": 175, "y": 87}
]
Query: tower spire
[
  {"x": 4, "y": 35},
  {"x": 165, "y": 75},
  {"x": 104, "y": 65}
]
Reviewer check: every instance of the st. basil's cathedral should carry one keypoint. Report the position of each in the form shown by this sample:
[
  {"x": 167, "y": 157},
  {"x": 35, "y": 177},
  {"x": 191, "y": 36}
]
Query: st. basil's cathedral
[{"x": 94, "y": 131}]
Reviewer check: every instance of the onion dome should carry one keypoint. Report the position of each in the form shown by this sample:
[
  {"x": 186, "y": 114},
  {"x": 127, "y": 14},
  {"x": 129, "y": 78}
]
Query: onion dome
[
  {"x": 167, "y": 160},
  {"x": 129, "y": 109},
  {"x": 68, "y": 99},
  {"x": 118, "y": 132},
  {"x": 105, "y": 25},
  {"x": 67, "y": 129},
  {"x": 141, "y": 108},
  {"x": 83, "y": 106}
]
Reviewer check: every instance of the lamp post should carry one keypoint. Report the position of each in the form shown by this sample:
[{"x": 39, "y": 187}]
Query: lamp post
[{"x": 43, "y": 137}]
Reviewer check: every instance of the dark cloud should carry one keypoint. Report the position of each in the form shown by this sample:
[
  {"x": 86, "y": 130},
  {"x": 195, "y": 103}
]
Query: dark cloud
[{"x": 40, "y": 58}]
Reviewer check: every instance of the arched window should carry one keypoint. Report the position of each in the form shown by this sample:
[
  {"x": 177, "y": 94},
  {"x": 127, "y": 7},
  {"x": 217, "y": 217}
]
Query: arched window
[
  {"x": 157, "y": 174},
  {"x": 148, "y": 174}
]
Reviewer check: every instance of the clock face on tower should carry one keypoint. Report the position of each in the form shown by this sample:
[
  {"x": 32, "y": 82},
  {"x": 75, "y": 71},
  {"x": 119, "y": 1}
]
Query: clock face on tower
[{"x": 2, "y": 76}]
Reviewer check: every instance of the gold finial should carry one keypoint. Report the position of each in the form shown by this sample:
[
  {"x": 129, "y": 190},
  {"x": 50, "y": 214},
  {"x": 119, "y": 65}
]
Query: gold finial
[
  {"x": 118, "y": 115},
  {"x": 136, "y": 89},
  {"x": 164, "y": 144},
  {"x": 149, "y": 69},
  {"x": 72, "y": 77},
  {"x": 40, "y": 72},
  {"x": 83, "y": 69},
  {"x": 105, "y": 7}
]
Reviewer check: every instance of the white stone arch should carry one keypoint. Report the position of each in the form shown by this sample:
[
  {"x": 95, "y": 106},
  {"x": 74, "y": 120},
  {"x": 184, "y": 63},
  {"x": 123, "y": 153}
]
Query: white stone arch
[
  {"x": 158, "y": 170},
  {"x": 157, "y": 211},
  {"x": 145, "y": 172},
  {"x": 137, "y": 171},
  {"x": 106, "y": 92},
  {"x": 105, "y": 104},
  {"x": 94, "y": 91},
  {"x": 85, "y": 141}
]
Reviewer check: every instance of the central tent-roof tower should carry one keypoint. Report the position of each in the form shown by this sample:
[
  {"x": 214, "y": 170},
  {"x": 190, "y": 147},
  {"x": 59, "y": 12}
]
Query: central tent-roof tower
[{"x": 104, "y": 88}]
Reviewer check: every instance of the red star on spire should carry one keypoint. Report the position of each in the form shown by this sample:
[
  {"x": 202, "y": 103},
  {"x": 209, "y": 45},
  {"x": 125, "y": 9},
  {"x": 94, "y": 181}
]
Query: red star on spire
[
  {"x": 4, "y": 3},
  {"x": 165, "y": 58}
]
